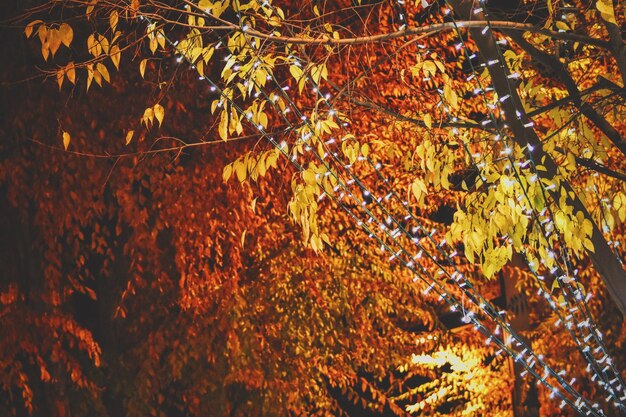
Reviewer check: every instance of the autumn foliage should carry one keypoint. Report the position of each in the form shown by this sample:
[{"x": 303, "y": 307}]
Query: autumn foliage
[{"x": 207, "y": 205}]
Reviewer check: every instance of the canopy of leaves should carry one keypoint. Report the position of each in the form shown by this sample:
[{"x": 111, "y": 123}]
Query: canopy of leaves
[{"x": 184, "y": 202}]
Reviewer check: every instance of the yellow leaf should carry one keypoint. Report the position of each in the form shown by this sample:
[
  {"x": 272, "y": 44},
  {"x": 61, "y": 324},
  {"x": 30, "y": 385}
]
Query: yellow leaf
[
  {"x": 45, "y": 51},
  {"x": 129, "y": 136},
  {"x": 241, "y": 171},
  {"x": 98, "y": 77},
  {"x": 153, "y": 44},
  {"x": 89, "y": 75},
  {"x": 450, "y": 96},
  {"x": 223, "y": 126},
  {"x": 207, "y": 53},
  {"x": 160, "y": 38},
  {"x": 28, "y": 30},
  {"x": 316, "y": 73},
  {"x": 66, "y": 34},
  {"x": 159, "y": 113},
  {"x": 272, "y": 159},
  {"x": 200, "y": 68},
  {"x": 253, "y": 205},
  {"x": 419, "y": 190},
  {"x": 42, "y": 32},
  {"x": 92, "y": 45},
  {"x": 148, "y": 116},
  {"x": 113, "y": 19},
  {"x": 605, "y": 7},
  {"x": 66, "y": 140},
  {"x": 561, "y": 25},
  {"x": 54, "y": 40},
  {"x": 116, "y": 55},
  {"x": 309, "y": 176},
  {"x": 365, "y": 150},
  {"x": 103, "y": 44},
  {"x": 104, "y": 71},
  {"x": 296, "y": 72},
  {"x": 428, "y": 121},
  {"x": 243, "y": 238},
  {"x": 228, "y": 171},
  {"x": 142, "y": 67},
  {"x": 429, "y": 68},
  {"x": 70, "y": 73}
]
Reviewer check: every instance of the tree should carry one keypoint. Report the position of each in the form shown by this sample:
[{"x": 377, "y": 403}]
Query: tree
[{"x": 499, "y": 126}]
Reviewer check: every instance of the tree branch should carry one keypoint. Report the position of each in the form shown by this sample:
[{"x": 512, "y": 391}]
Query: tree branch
[
  {"x": 563, "y": 75},
  {"x": 377, "y": 107},
  {"x": 409, "y": 31}
]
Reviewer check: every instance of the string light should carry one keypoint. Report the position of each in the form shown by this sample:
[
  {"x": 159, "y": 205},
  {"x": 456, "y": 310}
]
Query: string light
[
  {"x": 588, "y": 320},
  {"x": 377, "y": 165}
]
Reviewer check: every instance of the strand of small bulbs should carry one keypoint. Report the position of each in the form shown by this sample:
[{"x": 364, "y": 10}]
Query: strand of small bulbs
[
  {"x": 571, "y": 286},
  {"x": 432, "y": 285},
  {"x": 316, "y": 89},
  {"x": 585, "y": 350}
]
